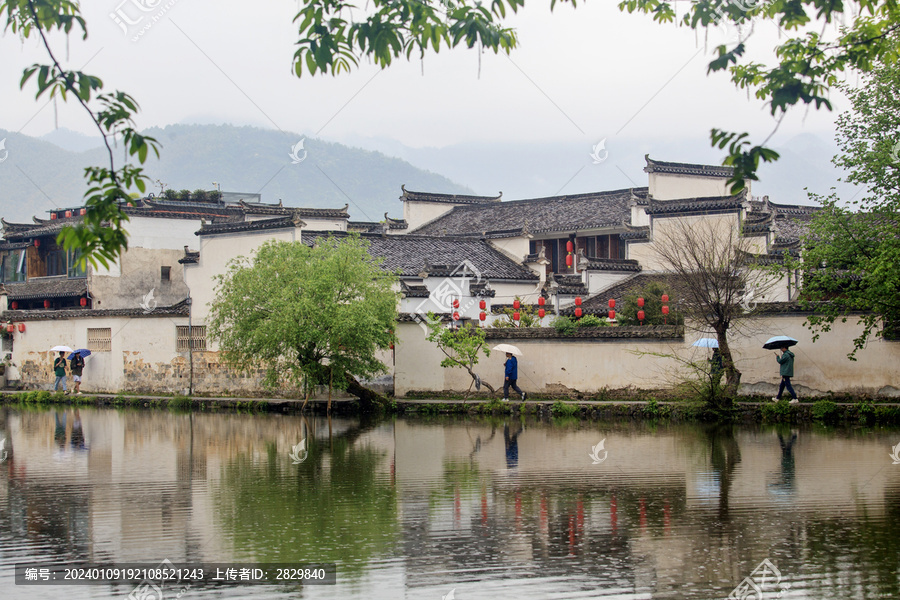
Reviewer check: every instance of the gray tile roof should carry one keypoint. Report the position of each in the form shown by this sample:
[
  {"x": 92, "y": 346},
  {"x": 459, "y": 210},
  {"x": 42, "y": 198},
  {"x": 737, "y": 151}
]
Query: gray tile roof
[
  {"x": 180, "y": 309},
  {"x": 695, "y": 205},
  {"x": 258, "y": 225},
  {"x": 410, "y": 255},
  {"x": 646, "y": 332},
  {"x": 46, "y": 287},
  {"x": 557, "y": 213},
  {"x": 658, "y": 166},
  {"x": 447, "y": 198},
  {"x": 258, "y": 208},
  {"x": 612, "y": 264}
]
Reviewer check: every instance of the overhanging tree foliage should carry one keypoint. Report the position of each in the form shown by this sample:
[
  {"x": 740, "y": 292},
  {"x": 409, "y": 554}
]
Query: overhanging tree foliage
[
  {"x": 851, "y": 255},
  {"x": 821, "y": 40},
  {"x": 308, "y": 316}
]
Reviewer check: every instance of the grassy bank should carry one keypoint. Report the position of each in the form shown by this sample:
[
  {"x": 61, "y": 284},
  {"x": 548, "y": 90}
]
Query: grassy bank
[{"x": 843, "y": 410}]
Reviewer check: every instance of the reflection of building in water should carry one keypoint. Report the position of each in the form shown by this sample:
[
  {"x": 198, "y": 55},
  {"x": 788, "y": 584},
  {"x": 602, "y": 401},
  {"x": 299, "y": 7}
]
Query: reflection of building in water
[{"x": 673, "y": 507}]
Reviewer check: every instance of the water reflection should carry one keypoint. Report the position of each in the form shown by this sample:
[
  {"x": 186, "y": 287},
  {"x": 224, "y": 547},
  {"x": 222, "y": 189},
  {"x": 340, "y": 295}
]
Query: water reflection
[{"x": 411, "y": 508}]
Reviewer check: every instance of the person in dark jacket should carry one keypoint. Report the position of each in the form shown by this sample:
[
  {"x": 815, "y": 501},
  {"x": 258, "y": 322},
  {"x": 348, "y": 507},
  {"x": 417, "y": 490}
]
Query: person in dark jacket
[
  {"x": 786, "y": 360},
  {"x": 512, "y": 375},
  {"x": 59, "y": 369}
]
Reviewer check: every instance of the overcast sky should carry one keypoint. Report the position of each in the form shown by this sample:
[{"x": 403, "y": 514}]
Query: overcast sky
[{"x": 579, "y": 75}]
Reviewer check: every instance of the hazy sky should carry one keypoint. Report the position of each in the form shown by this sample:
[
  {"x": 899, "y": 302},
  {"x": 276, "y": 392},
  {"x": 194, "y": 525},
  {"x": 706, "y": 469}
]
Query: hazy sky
[{"x": 579, "y": 75}]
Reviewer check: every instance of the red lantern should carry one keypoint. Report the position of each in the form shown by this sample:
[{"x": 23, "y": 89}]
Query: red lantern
[
  {"x": 456, "y": 303},
  {"x": 641, "y": 302},
  {"x": 665, "y": 310},
  {"x": 391, "y": 346},
  {"x": 640, "y": 315},
  {"x": 578, "y": 301},
  {"x": 516, "y": 316},
  {"x": 569, "y": 260},
  {"x": 21, "y": 327},
  {"x": 456, "y": 316},
  {"x": 517, "y": 305},
  {"x": 665, "y": 298},
  {"x": 541, "y": 312},
  {"x": 542, "y": 301},
  {"x": 83, "y": 211},
  {"x": 482, "y": 305},
  {"x": 83, "y": 302},
  {"x": 15, "y": 305},
  {"x": 52, "y": 215},
  {"x": 578, "y": 312},
  {"x": 612, "y": 315},
  {"x": 482, "y": 316},
  {"x": 570, "y": 246},
  {"x": 37, "y": 243},
  {"x": 612, "y": 303},
  {"x": 10, "y": 328},
  {"x": 68, "y": 213}
]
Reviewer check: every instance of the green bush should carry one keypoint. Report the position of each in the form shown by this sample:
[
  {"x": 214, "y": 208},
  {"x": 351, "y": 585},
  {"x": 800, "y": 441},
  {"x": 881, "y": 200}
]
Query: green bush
[
  {"x": 563, "y": 409},
  {"x": 865, "y": 410},
  {"x": 180, "y": 402},
  {"x": 563, "y": 325},
  {"x": 184, "y": 195},
  {"x": 825, "y": 411},
  {"x": 591, "y": 321},
  {"x": 775, "y": 412}
]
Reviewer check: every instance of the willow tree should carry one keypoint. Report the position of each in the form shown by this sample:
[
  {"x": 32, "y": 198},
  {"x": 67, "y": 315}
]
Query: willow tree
[{"x": 307, "y": 315}]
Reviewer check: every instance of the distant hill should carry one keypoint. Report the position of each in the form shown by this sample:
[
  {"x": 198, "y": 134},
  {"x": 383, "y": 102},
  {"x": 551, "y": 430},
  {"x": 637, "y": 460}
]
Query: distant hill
[
  {"x": 38, "y": 175},
  {"x": 538, "y": 169}
]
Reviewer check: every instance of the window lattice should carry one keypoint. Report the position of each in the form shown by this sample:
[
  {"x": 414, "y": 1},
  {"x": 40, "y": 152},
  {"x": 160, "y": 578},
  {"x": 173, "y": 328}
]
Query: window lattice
[
  {"x": 99, "y": 339},
  {"x": 190, "y": 338}
]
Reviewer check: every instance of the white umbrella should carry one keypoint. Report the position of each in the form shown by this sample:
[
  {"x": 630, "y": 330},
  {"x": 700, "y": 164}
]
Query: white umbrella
[
  {"x": 507, "y": 348},
  {"x": 61, "y": 349}
]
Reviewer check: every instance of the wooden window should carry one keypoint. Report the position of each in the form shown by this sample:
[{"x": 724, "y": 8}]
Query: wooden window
[
  {"x": 99, "y": 339},
  {"x": 190, "y": 338},
  {"x": 165, "y": 273}
]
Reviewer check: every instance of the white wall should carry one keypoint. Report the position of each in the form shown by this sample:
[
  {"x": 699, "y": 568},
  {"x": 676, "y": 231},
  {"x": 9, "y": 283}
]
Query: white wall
[
  {"x": 588, "y": 365},
  {"x": 215, "y": 253},
  {"x": 667, "y": 186},
  {"x": 419, "y": 213}
]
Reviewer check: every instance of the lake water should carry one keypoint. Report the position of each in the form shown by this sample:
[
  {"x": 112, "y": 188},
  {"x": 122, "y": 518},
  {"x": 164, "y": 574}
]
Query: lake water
[{"x": 455, "y": 508}]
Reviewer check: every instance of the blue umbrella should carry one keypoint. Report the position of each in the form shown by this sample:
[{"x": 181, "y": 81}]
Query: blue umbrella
[
  {"x": 779, "y": 341},
  {"x": 82, "y": 351},
  {"x": 706, "y": 343}
]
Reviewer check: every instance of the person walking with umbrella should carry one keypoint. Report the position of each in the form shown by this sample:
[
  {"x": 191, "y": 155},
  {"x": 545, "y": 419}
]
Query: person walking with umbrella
[
  {"x": 511, "y": 371},
  {"x": 59, "y": 369},
  {"x": 786, "y": 360},
  {"x": 76, "y": 363}
]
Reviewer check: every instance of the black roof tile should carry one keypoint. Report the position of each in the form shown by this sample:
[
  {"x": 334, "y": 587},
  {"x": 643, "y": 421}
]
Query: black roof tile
[
  {"x": 46, "y": 287},
  {"x": 539, "y": 215},
  {"x": 409, "y": 255},
  {"x": 658, "y": 166}
]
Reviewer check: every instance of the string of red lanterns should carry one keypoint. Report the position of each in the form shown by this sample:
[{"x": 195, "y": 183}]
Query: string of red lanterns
[{"x": 640, "y": 312}]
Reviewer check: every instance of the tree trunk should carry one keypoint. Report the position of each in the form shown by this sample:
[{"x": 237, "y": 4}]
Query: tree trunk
[
  {"x": 732, "y": 375},
  {"x": 305, "y": 401},
  {"x": 369, "y": 400},
  {"x": 330, "y": 385}
]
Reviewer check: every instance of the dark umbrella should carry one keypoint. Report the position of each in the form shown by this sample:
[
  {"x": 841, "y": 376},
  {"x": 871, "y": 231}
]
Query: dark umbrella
[
  {"x": 778, "y": 342},
  {"x": 82, "y": 351}
]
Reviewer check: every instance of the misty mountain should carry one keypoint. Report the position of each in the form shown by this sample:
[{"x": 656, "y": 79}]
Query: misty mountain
[
  {"x": 533, "y": 170},
  {"x": 46, "y": 173},
  {"x": 38, "y": 175}
]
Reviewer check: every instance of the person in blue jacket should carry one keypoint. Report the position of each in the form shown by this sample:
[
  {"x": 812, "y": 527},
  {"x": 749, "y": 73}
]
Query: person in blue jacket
[{"x": 512, "y": 375}]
